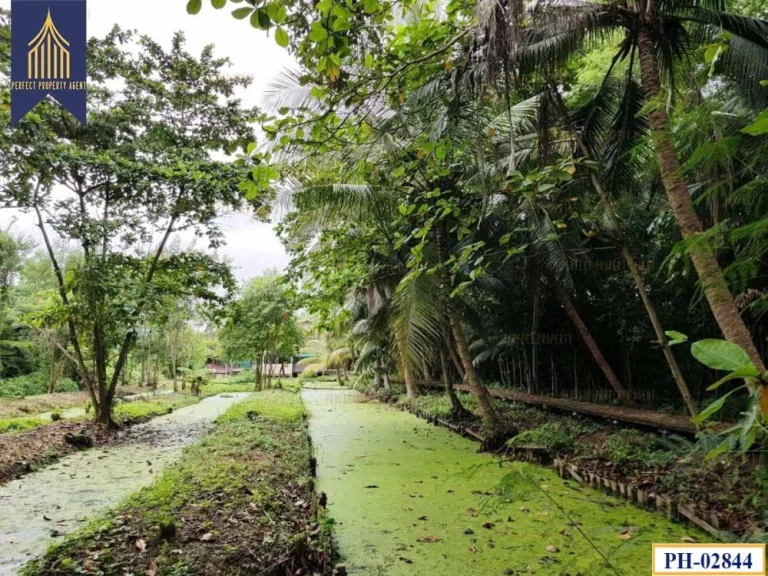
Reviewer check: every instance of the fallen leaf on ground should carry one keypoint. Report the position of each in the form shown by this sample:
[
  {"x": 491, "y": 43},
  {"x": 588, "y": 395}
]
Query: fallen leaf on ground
[
  {"x": 152, "y": 570},
  {"x": 429, "y": 539},
  {"x": 141, "y": 544},
  {"x": 625, "y": 535},
  {"x": 690, "y": 539},
  {"x": 207, "y": 537},
  {"x": 553, "y": 549}
]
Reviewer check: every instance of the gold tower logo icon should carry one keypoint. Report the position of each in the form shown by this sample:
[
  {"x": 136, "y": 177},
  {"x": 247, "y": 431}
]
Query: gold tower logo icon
[{"x": 48, "y": 57}]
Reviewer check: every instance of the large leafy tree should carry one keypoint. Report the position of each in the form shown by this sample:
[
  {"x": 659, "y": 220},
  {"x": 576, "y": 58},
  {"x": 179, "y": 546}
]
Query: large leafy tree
[
  {"x": 260, "y": 325},
  {"x": 119, "y": 187}
]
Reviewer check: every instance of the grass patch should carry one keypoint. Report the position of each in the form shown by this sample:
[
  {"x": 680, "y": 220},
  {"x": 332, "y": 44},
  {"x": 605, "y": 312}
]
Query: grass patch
[
  {"x": 151, "y": 406},
  {"x": 31, "y": 405},
  {"x": 10, "y": 425},
  {"x": 236, "y": 503}
]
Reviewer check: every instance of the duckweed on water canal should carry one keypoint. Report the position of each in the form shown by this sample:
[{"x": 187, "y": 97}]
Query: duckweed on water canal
[{"x": 411, "y": 499}]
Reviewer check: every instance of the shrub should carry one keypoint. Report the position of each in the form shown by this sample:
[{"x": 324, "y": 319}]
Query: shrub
[
  {"x": 556, "y": 436},
  {"x": 33, "y": 384},
  {"x": 628, "y": 448}
]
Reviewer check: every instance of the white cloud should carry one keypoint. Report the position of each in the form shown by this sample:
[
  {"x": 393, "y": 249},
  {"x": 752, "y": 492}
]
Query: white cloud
[{"x": 251, "y": 246}]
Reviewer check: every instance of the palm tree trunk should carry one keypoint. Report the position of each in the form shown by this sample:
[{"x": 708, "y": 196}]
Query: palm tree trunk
[
  {"x": 455, "y": 358},
  {"x": 410, "y": 385},
  {"x": 632, "y": 265},
  {"x": 377, "y": 374},
  {"x": 456, "y": 407},
  {"x": 485, "y": 406},
  {"x": 592, "y": 346},
  {"x": 713, "y": 283},
  {"x": 534, "y": 344}
]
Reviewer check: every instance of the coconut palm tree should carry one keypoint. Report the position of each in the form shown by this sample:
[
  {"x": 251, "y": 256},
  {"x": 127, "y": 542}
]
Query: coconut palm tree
[{"x": 656, "y": 35}]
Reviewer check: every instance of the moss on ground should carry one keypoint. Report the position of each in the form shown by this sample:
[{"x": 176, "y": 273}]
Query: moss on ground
[
  {"x": 236, "y": 503},
  {"x": 9, "y": 425}
]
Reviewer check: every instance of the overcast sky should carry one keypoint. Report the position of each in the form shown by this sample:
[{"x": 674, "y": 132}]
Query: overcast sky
[{"x": 252, "y": 247}]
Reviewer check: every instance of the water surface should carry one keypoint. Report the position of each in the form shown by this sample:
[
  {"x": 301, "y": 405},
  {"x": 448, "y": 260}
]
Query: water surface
[
  {"x": 412, "y": 499},
  {"x": 43, "y": 506}
]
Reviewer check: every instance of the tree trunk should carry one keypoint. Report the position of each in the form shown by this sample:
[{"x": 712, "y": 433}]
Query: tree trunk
[
  {"x": 455, "y": 358},
  {"x": 377, "y": 374},
  {"x": 713, "y": 283},
  {"x": 457, "y": 409},
  {"x": 534, "y": 343},
  {"x": 633, "y": 269},
  {"x": 591, "y": 344},
  {"x": 385, "y": 380},
  {"x": 485, "y": 406},
  {"x": 410, "y": 385}
]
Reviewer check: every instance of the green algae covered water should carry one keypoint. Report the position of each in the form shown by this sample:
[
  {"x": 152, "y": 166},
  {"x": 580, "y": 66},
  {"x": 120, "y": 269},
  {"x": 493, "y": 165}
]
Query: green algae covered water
[
  {"x": 40, "y": 508},
  {"x": 411, "y": 499}
]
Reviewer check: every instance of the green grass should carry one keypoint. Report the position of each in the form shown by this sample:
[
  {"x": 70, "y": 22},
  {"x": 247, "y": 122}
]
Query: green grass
[
  {"x": 11, "y": 425},
  {"x": 152, "y": 406},
  {"x": 255, "y": 464}
]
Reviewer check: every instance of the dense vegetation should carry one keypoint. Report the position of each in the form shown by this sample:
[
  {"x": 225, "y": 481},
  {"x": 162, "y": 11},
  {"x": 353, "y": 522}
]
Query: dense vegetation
[
  {"x": 562, "y": 198},
  {"x": 548, "y": 195}
]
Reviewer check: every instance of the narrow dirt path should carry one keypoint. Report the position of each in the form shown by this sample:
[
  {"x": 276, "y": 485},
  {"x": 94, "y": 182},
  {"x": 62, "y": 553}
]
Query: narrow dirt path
[
  {"x": 40, "y": 507},
  {"x": 412, "y": 499}
]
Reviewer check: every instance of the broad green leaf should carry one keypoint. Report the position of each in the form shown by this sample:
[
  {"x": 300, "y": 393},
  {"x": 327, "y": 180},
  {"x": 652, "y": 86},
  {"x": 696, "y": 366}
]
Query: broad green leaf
[
  {"x": 242, "y": 13},
  {"x": 281, "y": 37},
  {"x": 370, "y": 6},
  {"x": 277, "y": 12},
  {"x": 721, "y": 448},
  {"x": 720, "y": 354},
  {"x": 759, "y": 126},
  {"x": 194, "y": 6},
  {"x": 676, "y": 337},
  {"x": 745, "y": 372},
  {"x": 317, "y": 32},
  {"x": 712, "y": 408},
  {"x": 218, "y": 4}
]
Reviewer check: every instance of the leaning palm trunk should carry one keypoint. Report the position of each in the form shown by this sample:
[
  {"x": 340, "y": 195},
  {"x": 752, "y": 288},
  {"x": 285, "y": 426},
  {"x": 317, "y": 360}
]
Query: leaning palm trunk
[
  {"x": 410, "y": 385},
  {"x": 457, "y": 409},
  {"x": 488, "y": 413},
  {"x": 633, "y": 270},
  {"x": 703, "y": 257},
  {"x": 591, "y": 344}
]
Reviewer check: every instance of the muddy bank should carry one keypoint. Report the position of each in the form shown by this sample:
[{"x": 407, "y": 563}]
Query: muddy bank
[
  {"x": 42, "y": 506},
  {"x": 410, "y": 499}
]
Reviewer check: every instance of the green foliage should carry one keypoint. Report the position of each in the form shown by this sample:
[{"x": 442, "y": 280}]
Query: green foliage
[
  {"x": 627, "y": 449},
  {"x": 559, "y": 437},
  {"x": 260, "y": 325},
  {"x": 31, "y": 384},
  {"x": 140, "y": 171},
  {"x": 11, "y": 425}
]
